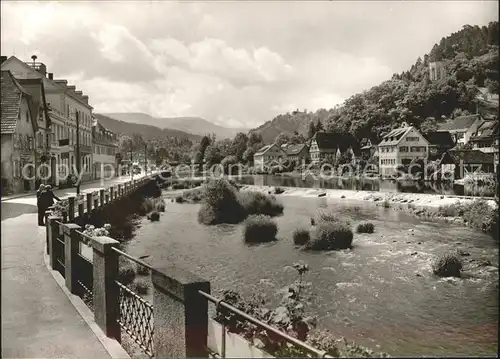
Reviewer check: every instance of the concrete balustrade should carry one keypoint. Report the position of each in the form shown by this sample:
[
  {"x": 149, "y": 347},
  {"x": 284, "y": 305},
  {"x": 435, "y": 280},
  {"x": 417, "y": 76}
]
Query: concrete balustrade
[{"x": 180, "y": 314}]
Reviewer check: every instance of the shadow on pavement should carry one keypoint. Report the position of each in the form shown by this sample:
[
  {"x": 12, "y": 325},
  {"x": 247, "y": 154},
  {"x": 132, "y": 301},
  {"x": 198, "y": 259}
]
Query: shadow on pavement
[{"x": 12, "y": 210}]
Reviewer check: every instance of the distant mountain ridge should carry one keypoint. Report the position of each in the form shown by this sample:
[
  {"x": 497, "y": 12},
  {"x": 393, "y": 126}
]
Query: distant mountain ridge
[
  {"x": 194, "y": 125},
  {"x": 148, "y": 132}
]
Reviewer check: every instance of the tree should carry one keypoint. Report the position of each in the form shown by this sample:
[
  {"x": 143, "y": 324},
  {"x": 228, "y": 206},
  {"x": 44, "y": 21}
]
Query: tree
[
  {"x": 429, "y": 125},
  {"x": 281, "y": 139},
  {"x": 239, "y": 145},
  {"x": 228, "y": 163},
  {"x": 248, "y": 155},
  {"x": 212, "y": 155},
  {"x": 312, "y": 130},
  {"x": 254, "y": 140},
  {"x": 492, "y": 85},
  {"x": 319, "y": 126}
]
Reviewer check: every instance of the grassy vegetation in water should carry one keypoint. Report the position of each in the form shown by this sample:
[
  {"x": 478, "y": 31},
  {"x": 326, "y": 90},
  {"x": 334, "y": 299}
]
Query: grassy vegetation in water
[
  {"x": 301, "y": 236},
  {"x": 365, "y": 227},
  {"x": 447, "y": 265},
  {"x": 259, "y": 228}
]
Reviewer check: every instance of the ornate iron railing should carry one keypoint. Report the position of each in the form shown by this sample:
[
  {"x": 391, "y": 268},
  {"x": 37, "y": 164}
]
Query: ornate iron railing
[
  {"x": 85, "y": 274},
  {"x": 136, "y": 314},
  {"x": 244, "y": 316},
  {"x": 136, "y": 318}
]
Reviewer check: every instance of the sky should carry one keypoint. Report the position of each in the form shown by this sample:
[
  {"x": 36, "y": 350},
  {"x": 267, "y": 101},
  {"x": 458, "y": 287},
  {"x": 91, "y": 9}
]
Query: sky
[{"x": 238, "y": 64}]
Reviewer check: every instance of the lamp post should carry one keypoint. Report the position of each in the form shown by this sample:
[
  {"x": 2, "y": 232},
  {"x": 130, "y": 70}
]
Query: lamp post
[{"x": 146, "y": 159}]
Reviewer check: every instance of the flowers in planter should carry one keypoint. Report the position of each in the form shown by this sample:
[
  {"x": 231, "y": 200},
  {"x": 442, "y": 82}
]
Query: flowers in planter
[
  {"x": 60, "y": 208},
  {"x": 92, "y": 231}
]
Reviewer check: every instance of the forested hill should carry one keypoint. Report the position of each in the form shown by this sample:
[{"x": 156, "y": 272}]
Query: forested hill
[{"x": 470, "y": 58}]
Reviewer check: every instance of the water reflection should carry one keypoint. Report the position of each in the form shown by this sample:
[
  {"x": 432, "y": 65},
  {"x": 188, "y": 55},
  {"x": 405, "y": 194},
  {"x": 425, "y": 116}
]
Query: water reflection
[{"x": 357, "y": 184}]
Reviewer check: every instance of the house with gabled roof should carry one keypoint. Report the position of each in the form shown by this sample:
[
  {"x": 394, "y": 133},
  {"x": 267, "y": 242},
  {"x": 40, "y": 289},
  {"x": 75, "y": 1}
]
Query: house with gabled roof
[
  {"x": 18, "y": 128},
  {"x": 328, "y": 144},
  {"x": 462, "y": 128},
  {"x": 297, "y": 153},
  {"x": 439, "y": 142},
  {"x": 268, "y": 154},
  {"x": 401, "y": 146}
]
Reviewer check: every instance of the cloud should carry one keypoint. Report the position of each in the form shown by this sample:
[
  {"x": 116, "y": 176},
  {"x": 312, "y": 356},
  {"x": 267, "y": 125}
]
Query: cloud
[{"x": 234, "y": 64}]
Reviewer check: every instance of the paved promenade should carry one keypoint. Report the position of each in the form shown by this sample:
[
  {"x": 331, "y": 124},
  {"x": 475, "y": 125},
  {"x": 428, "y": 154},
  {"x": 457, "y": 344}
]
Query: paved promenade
[{"x": 38, "y": 320}]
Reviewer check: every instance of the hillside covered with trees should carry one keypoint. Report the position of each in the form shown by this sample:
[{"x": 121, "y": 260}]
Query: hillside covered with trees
[{"x": 470, "y": 58}]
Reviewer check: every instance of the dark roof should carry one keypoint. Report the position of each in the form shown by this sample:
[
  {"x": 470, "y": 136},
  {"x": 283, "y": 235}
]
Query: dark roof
[
  {"x": 486, "y": 131},
  {"x": 459, "y": 123},
  {"x": 12, "y": 92},
  {"x": 394, "y": 137},
  {"x": 294, "y": 149},
  {"x": 331, "y": 141},
  {"x": 440, "y": 138},
  {"x": 442, "y": 158},
  {"x": 471, "y": 157}
]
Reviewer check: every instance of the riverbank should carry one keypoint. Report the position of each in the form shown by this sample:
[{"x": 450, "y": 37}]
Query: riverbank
[{"x": 417, "y": 199}]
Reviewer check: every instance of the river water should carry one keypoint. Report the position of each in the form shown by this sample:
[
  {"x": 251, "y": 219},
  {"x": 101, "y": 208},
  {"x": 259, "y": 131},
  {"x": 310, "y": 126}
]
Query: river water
[
  {"x": 381, "y": 293},
  {"x": 368, "y": 184}
]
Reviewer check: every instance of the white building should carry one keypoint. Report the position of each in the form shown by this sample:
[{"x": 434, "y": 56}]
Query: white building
[
  {"x": 267, "y": 155},
  {"x": 401, "y": 146},
  {"x": 105, "y": 148}
]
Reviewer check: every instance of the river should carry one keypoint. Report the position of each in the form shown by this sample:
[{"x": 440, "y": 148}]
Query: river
[
  {"x": 367, "y": 184},
  {"x": 381, "y": 293}
]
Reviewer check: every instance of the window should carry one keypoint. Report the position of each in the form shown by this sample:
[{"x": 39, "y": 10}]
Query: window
[
  {"x": 403, "y": 149},
  {"x": 412, "y": 139}
]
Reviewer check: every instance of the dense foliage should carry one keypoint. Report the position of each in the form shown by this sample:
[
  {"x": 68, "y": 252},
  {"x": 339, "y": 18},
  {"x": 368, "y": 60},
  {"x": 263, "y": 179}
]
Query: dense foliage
[
  {"x": 259, "y": 228},
  {"x": 223, "y": 203},
  {"x": 447, "y": 265}
]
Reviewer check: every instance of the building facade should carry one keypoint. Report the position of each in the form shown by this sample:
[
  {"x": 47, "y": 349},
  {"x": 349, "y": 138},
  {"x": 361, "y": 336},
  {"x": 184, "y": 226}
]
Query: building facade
[
  {"x": 297, "y": 153},
  {"x": 436, "y": 71},
  {"x": 462, "y": 128},
  {"x": 399, "y": 147},
  {"x": 18, "y": 136},
  {"x": 268, "y": 154},
  {"x": 105, "y": 148},
  {"x": 326, "y": 145},
  {"x": 66, "y": 105}
]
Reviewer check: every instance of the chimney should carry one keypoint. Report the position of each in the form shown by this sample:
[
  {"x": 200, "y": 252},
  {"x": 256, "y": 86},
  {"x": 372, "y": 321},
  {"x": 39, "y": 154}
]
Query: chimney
[{"x": 51, "y": 76}]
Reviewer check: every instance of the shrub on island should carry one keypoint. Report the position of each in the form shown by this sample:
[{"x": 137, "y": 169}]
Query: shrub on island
[
  {"x": 447, "y": 265},
  {"x": 260, "y": 229},
  {"x": 301, "y": 237},
  {"x": 365, "y": 227},
  {"x": 259, "y": 203},
  {"x": 223, "y": 203},
  {"x": 331, "y": 235}
]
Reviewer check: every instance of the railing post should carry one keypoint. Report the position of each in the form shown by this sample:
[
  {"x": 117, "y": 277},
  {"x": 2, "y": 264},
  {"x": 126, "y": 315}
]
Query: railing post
[
  {"x": 180, "y": 314},
  {"x": 119, "y": 192},
  {"x": 54, "y": 232},
  {"x": 101, "y": 197},
  {"x": 71, "y": 209},
  {"x": 89, "y": 203},
  {"x": 95, "y": 199},
  {"x": 111, "y": 193},
  {"x": 71, "y": 249},
  {"x": 80, "y": 209},
  {"x": 106, "y": 291},
  {"x": 47, "y": 231}
]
